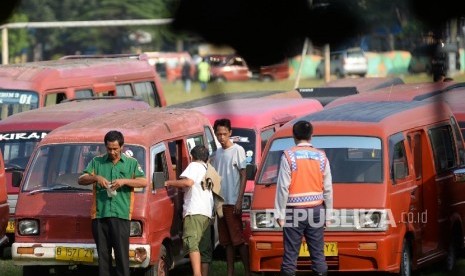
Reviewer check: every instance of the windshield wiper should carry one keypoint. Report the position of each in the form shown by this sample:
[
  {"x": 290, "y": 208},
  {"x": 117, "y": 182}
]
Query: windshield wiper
[{"x": 58, "y": 187}]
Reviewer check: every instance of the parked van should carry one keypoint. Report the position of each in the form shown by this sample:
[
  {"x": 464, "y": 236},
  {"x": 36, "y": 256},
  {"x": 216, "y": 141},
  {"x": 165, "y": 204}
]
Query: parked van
[
  {"x": 37, "y": 84},
  {"x": 21, "y": 132},
  {"x": 351, "y": 61},
  {"x": 53, "y": 213},
  {"x": 3, "y": 204},
  {"x": 253, "y": 122},
  {"x": 398, "y": 184},
  {"x": 169, "y": 64}
]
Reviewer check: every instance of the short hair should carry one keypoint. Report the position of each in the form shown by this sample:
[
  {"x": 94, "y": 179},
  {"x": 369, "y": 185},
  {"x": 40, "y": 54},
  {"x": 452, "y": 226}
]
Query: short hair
[
  {"x": 222, "y": 122},
  {"x": 114, "y": 135},
  {"x": 200, "y": 153},
  {"x": 302, "y": 130}
]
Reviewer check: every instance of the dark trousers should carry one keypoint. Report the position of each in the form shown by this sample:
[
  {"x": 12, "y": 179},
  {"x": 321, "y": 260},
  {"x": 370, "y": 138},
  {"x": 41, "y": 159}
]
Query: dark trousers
[
  {"x": 313, "y": 229},
  {"x": 112, "y": 233}
]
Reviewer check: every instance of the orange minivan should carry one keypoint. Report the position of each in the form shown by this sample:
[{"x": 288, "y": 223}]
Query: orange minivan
[
  {"x": 33, "y": 85},
  {"x": 399, "y": 188},
  {"x": 253, "y": 122},
  {"x": 3, "y": 204},
  {"x": 21, "y": 132},
  {"x": 53, "y": 213}
]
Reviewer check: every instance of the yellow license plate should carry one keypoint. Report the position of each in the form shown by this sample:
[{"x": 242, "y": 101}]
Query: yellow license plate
[
  {"x": 74, "y": 254},
  {"x": 10, "y": 228},
  {"x": 330, "y": 249}
]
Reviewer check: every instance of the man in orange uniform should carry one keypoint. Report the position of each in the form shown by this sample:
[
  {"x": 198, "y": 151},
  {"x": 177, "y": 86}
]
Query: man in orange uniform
[{"x": 304, "y": 187}]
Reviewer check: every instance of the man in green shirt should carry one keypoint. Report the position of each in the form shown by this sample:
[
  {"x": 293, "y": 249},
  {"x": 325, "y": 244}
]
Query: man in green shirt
[{"x": 114, "y": 177}]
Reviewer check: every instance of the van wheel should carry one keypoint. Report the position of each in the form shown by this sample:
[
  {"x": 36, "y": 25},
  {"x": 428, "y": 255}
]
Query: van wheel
[
  {"x": 267, "y": 78},
  {"x": 161, "y": 268},
  {"x": 220, "y": 79},
  {"x": 453, "y": 251},
  {"x": 406, "y": 260},
  {"x": 36, "y": 270}
]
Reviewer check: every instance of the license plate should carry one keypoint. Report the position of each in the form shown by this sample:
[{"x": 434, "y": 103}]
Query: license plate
[
  {"x": 10, "y": 228},
  {"x": 74, "y": 254},
  {"x": 330, "y": 249}
]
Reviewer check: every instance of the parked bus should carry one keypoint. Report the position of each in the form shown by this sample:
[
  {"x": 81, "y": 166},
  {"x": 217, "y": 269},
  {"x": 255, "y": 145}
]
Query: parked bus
[
  {"x": 398, "y": 182},
  {"x": 33, "y": 85},
  {"x": 20, "y": 133}
]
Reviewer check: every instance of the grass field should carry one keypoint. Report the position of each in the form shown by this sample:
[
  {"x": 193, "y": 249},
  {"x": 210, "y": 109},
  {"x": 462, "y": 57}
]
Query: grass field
[{"x": 174, "y": 94}]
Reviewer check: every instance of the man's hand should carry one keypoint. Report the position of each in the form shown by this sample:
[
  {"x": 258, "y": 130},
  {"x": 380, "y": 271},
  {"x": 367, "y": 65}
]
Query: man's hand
[
  {"x": 238, "y": 207},
  {"x": 102, "y": 181},
  {"x": 117, "y": 184}
]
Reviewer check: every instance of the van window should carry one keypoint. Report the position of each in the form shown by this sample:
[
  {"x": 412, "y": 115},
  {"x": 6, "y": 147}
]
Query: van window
[
  {"x": 59, "y": 166},
  {"x": 124, "y": 90},
  {"x": 399, "y": 164},
  {"x": 160, "y": 167},
  {"x": 54, "y": 98},
  {"x": 18, "y": 147},
  {"x": 442, "y": 143},
  {"x": 146, "y": 90},
  {"x": 459, "y": 139},
  {"x": 83, "y": 93},
  {"x": 15, "y": 101},
  {"x": 353, "y": 159},
  {"x": 265, "y": 135},
  {"x": 245, "y": 137},
  {"x": 415, "y": 146},
  {"x": 211, "y": 141},
  {"x": 194, "y": 141}
]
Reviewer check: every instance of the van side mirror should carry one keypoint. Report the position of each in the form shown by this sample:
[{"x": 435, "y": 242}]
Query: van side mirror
[
  {"x": 250, "y": 171},
  {"x": 16, "y": 177},
  {"x": 158, "y": 180}
]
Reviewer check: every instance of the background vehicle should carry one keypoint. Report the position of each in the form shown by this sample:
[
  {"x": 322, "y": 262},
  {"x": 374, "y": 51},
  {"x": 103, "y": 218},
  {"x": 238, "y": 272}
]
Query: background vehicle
[
  {"x": 343, "y": 63},
  {"x": 426, "y": 58},
  {"x": 169, "y": 64},
  {"x": 21, "y": 132},
  {"x": 37, "y": 84},
  {"x": 3, "y": 204},
  {"x": 228, "y": 68},
  {"x": 53, "y": 213}
]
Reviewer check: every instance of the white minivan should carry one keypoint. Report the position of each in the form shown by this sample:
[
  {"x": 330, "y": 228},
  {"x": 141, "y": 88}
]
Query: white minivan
[{"x": 351, "y": 61}]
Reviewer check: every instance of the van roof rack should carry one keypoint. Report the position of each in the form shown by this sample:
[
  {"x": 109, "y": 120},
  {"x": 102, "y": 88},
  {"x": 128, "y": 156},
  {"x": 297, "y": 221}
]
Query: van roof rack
[
  {"x": 134, "y": 98},
  {"x": 130, "y": 56}
]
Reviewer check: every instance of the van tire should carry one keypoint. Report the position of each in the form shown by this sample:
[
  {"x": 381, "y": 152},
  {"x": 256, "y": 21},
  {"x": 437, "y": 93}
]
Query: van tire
[
  {"x": 220, "y": 79},
  {"x": 160, "y": 268},
  {"x": 406, "y": 260},
  {"x": 267, "y": 78},
  {"x": 36, "y": 270},
  {"x": 453, "y": 251}
]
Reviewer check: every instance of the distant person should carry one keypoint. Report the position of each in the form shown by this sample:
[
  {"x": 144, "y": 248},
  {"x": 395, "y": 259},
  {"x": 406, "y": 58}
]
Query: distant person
[
  {"x": 186, "y": 75},
  {"x": 204, "y": 73},
  {"x": 113, "y": 177},
  {"x": 197, "y": 210}
]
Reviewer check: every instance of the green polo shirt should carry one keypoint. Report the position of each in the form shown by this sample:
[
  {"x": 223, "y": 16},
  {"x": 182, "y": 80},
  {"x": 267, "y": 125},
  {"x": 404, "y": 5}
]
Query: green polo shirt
[{"x": 119, "y": 206}]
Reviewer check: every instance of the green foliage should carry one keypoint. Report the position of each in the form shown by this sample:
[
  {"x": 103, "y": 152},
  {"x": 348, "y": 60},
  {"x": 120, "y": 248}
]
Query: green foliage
[{"x": 17, "y": 38}]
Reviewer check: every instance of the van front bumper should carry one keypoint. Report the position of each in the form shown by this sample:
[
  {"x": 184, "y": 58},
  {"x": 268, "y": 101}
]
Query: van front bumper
[
  {"x": 25, "y": 254},
  {"x": 355, "y": 253}
]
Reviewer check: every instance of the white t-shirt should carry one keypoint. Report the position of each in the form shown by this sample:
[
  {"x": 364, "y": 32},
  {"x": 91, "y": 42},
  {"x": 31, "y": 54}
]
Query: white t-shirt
[
  {"x": 196, "y": 200},
  {"x": 227, "y": 163}
]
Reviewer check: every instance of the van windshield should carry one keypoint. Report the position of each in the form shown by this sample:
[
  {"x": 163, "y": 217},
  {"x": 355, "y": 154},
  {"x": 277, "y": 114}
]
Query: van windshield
[
  {"x": 17, "y": 147},
  {"x": 245, "y": 138},
  {"x": 15, "y": 101},
  {"x": 61, "y": 165},
  {"x": 353, "y": 159}
]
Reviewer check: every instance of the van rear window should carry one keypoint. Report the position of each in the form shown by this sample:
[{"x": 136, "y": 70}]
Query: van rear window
[
  {"x": 57, "y": 167},
  {"x": 353, "y": 159},
  {"x": 15, "y": 101}
]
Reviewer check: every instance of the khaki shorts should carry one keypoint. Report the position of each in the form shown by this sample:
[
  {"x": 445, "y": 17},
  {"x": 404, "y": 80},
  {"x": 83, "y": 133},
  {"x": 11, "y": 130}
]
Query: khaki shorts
[
  {"x": 193, "y": 228},
  {"x": 230, "y": 227}
]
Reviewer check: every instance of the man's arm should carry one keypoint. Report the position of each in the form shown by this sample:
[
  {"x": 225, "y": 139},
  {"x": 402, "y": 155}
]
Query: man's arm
[
  {"x": 180, "y": 183},
  {"x": 328, "y": 190},
  {"x": 88, "y": 179},
  {"x": 243, "y": 182},
  {"x": 282, "y": 190}
]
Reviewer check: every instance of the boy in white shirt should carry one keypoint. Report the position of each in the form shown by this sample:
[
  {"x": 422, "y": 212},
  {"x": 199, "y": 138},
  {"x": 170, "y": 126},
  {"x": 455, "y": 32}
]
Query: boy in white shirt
[{"x": 198, "y": 205}]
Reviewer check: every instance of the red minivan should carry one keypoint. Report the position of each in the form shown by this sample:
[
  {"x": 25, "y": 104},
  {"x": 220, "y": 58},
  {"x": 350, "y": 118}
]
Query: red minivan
[
  {"x": 3, "y": 203},
  {"x": 53, "y": 213},
  {"x": 20, "y": 133},
  {"x": 253, "y": 122}
]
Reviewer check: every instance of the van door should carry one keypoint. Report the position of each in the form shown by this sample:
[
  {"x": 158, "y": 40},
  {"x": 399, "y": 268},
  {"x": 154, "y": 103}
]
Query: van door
[{"x": 424, "y": 216}]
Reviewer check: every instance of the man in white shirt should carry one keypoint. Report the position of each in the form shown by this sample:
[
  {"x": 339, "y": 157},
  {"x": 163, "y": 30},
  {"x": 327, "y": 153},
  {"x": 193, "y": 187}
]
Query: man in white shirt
[{"x": 198, "y": 205}]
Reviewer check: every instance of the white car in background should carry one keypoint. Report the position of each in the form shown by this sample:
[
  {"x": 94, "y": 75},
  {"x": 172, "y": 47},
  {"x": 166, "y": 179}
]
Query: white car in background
[{"x": 351, "y": 61}]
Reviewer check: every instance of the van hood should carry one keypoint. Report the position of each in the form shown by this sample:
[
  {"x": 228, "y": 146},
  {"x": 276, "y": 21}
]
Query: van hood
[{"x": 345, "y": 196}]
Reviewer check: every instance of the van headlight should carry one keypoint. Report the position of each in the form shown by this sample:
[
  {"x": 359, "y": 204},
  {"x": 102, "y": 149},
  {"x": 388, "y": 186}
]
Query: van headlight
[
  {"x": 372, "y": 220},
  {"x": 246, "y": 202},
  {"x": 135, "y": 228},
  {"x": 263, "y": 220},
  {"x": 28, "y": 227}
]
